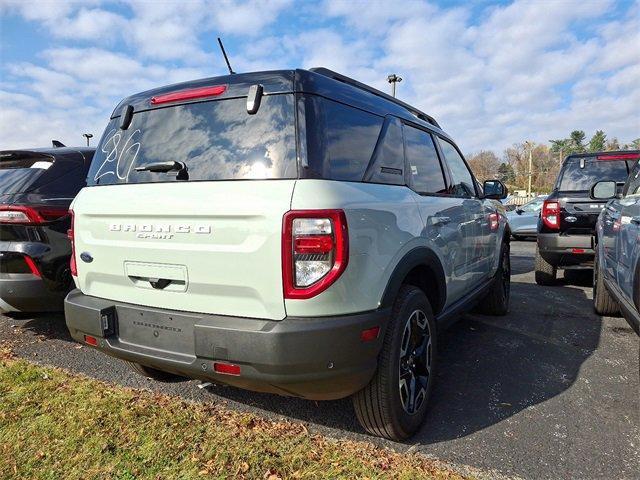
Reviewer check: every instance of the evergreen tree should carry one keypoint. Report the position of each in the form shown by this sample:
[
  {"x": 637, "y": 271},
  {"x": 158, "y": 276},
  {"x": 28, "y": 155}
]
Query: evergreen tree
[
  {"x": 577, "y": 141},
  {"x": 598, "y": 141},
  {"x": 506, "y": 173}
]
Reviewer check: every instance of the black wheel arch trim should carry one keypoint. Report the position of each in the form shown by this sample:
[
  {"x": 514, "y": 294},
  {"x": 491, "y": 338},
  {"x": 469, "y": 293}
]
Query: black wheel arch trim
[{"x": 419, "y": 256}]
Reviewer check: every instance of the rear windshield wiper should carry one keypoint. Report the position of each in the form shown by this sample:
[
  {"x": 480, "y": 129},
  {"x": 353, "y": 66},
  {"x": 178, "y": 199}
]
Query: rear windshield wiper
[{"x": 166, "y": 167}]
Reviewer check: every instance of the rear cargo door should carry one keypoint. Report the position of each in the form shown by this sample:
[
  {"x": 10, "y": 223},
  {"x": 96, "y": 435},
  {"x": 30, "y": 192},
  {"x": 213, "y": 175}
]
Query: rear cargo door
[
  {"x": 207, "y": 247},
  {"x": 185, "y": 203}
]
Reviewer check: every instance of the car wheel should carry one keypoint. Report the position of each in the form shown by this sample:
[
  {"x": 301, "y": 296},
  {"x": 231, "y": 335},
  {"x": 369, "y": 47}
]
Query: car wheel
[
  {"x": 603, "y": 302},
  {"x": 393, "y": 405},
  {"x": 546, "y": 273},
  {"x": 154, "y": 374},
  {"x": 496, "y": 302}
]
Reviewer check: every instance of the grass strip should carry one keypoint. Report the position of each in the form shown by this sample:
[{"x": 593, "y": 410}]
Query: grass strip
[{"x": 54, "y": 425}]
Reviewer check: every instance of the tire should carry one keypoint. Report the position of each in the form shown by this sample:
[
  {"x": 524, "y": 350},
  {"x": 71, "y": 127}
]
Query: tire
[
  {"x": 386, "y": 407},
  {"x": 154, "y": 374},
  {"x": 603, "y": 302},
  {"x": 546, "y": 273},
  {"x": 496, "y": 302}
]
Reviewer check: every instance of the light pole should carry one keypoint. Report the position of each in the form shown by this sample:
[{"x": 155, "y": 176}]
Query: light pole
[
  {"x": 530, "y": 146},
  {"x": 87, "y": 136},
  {"x": 393, "y": 79}
]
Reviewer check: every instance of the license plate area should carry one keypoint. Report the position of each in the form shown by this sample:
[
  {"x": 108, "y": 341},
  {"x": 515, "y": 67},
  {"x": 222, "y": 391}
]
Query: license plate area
[{"x": 156, "y": 330}]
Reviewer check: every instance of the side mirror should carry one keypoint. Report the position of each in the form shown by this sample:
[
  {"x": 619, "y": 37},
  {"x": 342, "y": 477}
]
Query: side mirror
[
  {"x": 519, "y": 211},
  {"x": 495, "y": 190},
  {"x": 604, "y": 190}
]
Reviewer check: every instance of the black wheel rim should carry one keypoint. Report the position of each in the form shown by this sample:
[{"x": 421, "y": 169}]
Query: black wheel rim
[
  {"x": 415, "y": 362},
  {"x": 506, "y": 272}
]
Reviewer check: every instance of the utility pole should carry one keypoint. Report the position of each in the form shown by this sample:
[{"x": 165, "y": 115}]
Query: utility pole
[
  {"x": 87, "y": 136},
  {"x": 393, "y": 79},
  {"x": 529, "y": 144}
]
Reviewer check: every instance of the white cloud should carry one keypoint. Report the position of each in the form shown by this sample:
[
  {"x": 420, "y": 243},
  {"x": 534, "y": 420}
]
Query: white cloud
[{"x": 492, "y": 76}]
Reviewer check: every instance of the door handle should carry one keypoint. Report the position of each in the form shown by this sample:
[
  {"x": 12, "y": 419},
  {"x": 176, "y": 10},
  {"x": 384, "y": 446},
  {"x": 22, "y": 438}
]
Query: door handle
[{"x": 438, "y": 221}]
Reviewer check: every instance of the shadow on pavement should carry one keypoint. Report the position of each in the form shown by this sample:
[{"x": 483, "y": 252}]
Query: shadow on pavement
[{"x": 490, "y": 368}]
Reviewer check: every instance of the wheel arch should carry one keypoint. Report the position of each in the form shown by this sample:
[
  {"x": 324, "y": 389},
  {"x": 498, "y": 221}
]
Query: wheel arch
[{"x": 422, "y": 268}]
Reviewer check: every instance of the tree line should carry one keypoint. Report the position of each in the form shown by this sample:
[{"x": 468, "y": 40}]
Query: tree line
[{"x": 513, "y": 167}]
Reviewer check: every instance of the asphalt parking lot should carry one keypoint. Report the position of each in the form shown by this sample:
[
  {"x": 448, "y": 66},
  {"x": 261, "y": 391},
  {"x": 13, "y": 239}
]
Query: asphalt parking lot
[{"x": 550, "y": 391}]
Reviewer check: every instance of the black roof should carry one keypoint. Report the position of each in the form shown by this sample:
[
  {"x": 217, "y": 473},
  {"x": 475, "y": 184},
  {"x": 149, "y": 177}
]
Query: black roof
[
  {"x": 67, "y": 153},
  {"x": 318, "y": 81}
]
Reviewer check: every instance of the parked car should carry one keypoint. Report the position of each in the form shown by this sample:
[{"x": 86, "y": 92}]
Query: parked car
[
  {"x": 266, "y": 230},
  {"x": 567, "y": 222},
  {"x": 616, "y": 281},
  {"x": 523, "y": 221},
  {"x": 36, "y": 189}
]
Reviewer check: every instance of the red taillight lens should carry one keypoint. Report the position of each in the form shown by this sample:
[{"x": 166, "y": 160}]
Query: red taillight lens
[
  {"x": 369, "y": 334},
  {"x": 190, "y": 94},
  {"x": 315, "y": 251},
  {"x": 226, "y": 368},
  {"x": 72, "y": 262},
  {"x": 89, "y": 340},
  {"x": 620, "y": 156},
  {"x": 551, "y": 214},
  {"x": 32, "y": 265},
  {"x": 19, "y": 214},
  {"x": 494, "y": 221}
]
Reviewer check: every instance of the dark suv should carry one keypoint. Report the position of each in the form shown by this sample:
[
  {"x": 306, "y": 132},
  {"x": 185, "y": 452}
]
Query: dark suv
[
  {"x": 36, "y": 189},
  {"x": 567, "y": 221}
]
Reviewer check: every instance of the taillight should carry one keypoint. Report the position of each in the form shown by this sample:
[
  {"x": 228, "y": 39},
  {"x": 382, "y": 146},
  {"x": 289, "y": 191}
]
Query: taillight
[
  {"x": 73, "y": 267},
  {"x": 315, "y": 251},
  {"x": 620, "y": 156},
  {"x": 191, "y": 94},
  {"x": 494, "y": 221},
  {"x": 551, "y": 214},
  {"x": 19, "y": 214}
]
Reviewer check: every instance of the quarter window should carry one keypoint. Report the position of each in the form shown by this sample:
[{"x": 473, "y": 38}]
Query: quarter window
[
  {"x": 425, "y": 170},
  {"x": 462, "y": 180}
]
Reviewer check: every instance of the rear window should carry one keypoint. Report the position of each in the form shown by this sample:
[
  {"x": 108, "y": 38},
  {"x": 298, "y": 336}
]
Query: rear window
[
  {"x": 216, "y": 140},
  {"x": 580, "y": 173},
  {"x": 19, "y": 172}
]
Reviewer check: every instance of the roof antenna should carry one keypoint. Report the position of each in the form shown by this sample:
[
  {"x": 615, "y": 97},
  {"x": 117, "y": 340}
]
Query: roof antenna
[{"x": 226, "y": 59}]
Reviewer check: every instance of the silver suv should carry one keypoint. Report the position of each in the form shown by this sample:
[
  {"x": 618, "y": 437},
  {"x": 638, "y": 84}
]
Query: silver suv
[{"x": 294, "y": 232}]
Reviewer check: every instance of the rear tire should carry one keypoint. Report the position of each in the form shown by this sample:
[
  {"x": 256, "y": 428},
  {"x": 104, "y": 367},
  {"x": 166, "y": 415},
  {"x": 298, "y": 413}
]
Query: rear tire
[
  {"x": 603, "y": 302},
  {"x": 546, "y": 274},
  {"x": 497, "y": 300},
  {"x": 394, "y": 403},
  {"x": 154, "y": 374}
]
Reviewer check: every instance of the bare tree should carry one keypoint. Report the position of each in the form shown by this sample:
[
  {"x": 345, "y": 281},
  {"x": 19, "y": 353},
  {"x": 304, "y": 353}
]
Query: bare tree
[{"x": 484, "y": 164}]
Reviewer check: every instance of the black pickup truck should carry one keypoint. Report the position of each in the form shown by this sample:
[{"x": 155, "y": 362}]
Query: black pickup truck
[{"x": 567, "y": 221}]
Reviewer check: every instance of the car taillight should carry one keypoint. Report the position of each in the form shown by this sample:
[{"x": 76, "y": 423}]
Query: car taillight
[
  {"x": 315, "y": 251},
  {"x": 73, "y": 267},
  {"x": 494, "y": 221},
  {"x": 191, "y": 94},
  {"x": 18, "y": 214},
  {"x": 620, "y": 156},
  {"x": 551, "y": 214}
]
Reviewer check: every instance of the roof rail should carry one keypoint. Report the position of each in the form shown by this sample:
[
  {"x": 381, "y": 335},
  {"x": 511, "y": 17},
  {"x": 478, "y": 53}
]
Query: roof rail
[{"x": 354, "y": 83}]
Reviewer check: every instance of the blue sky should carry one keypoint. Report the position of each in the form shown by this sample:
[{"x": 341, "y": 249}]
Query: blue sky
[{"x": 492, "y": 73}]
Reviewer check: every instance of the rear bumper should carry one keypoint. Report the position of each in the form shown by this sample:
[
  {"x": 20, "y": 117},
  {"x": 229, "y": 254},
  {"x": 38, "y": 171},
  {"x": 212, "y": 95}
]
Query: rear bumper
[
  {"x": 566, "y": 250},
  {"x": 316, "y": 358},
  {"x": 24, "y": 292}
]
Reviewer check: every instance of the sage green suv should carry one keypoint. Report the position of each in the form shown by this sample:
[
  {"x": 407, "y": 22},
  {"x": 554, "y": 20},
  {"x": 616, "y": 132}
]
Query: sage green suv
[{"x": 294, "y": 232}]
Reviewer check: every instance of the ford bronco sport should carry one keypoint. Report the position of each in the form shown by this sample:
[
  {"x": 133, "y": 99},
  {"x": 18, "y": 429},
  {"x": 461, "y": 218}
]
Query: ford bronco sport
[
  {"x": 567, "y": 222},
  {"x": 294, "y": 232}
]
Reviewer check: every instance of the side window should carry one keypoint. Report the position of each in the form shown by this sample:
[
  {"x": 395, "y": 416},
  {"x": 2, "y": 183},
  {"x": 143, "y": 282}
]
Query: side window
[
  {"x": 387, "y": 164},
  {"x": 424, "y": 166},
  {"x": 463, "y": 183},
  {"x": 345, "y": 144},
  {"x": 633, "y": 183},
  {"x": 64, "y": 183}
]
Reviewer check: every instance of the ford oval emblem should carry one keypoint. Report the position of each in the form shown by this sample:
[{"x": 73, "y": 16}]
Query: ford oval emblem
[
  {"x": 86, "y": 257},
  {"x": 571, "y": 219}
]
